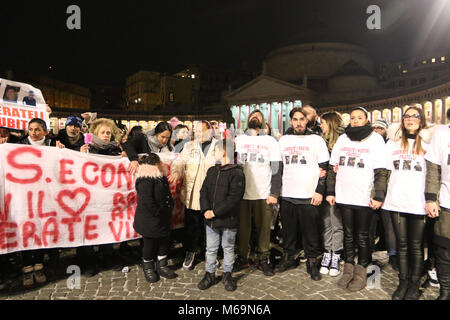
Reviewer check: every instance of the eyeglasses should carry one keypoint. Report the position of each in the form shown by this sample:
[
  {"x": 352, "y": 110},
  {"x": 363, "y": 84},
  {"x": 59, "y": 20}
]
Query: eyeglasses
[{"x": 411, "y": 116}]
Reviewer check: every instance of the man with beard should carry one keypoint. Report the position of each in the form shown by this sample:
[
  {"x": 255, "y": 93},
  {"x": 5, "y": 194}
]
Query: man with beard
[
  {"x": 71, "y": 137},
  {"x": 313, "y": 123},
  {"x": 300, "y": 201},
  {"x": 262, "y": 188}
]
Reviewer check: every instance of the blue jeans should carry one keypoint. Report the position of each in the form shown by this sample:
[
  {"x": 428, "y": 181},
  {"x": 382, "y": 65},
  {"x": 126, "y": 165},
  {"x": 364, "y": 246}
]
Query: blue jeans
[{"x": 213, "y": 237}]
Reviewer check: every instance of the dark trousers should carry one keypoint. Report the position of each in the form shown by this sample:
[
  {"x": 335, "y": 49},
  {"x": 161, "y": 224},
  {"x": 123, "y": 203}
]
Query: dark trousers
[
  {"x": 381, "y": 221},
  {"x": 429, "y": 238},
  {"x": 194, "y": 230},
  {"x": 154, "y": 247},
  {"x": 443, "y": 264},
  {"x": 300, "y": 220},
  {"x": 356, "y": 220},
  {"x": 409, "y": 230}
]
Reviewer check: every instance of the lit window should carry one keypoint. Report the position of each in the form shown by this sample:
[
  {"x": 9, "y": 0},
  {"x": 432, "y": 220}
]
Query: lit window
[
  {"x": 405, "y": 71},
  {"x": 193, "y": 76},
  {"x": 424, "y": 61},
  {"x": 433, "y": 60},
  {"x": 442, "y": 58}
]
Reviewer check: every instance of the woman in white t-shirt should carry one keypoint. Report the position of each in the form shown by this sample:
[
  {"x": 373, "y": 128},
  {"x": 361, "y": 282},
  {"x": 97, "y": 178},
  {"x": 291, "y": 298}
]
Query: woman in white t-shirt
[
  {"x": 405, "y": 198},
  {"x": 350, "y": 186}
]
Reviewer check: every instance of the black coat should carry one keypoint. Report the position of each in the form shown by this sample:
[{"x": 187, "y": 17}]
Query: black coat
[
  {"x": 64, "y": 139},
  {"x": 109, "y": 150},
  {"x": 222, "y": 192},
  {"x": 48, "y": 142},
  {"x": 154, "y": 207}
]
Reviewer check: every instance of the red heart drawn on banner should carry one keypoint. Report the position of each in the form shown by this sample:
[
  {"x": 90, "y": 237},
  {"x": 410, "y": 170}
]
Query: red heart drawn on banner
[{"x": 72, "y": 195}]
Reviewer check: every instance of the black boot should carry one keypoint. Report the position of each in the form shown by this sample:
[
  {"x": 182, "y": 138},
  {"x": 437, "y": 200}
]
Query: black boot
[
  {"x": 400, "y": 293},
  {"x": 228, "y": 282},
  {"x": 149, "y": 271},
  {"x": 413, "y": 292},
  {"x": 444, "y": 282},
  {"x": 209, "y": 279},
  {"x": 312, "y": 268},
  {"x": 163, "y": 269},
  {"x": 287, "y": 262}
]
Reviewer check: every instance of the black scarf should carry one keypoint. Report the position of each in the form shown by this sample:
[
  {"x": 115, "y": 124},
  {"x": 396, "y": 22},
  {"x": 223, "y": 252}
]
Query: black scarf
[{"x": 358, "y": 133}]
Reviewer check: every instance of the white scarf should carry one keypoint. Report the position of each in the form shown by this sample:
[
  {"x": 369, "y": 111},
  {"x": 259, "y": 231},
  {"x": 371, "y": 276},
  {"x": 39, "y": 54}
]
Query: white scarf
[{"x": 37, "y": 143}]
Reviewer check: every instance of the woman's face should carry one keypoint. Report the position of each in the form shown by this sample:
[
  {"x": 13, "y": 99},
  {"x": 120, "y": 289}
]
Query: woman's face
[
  {"x": 163, "y": 137},
  {"x": 104, "y": 133},
  {"x": 358, "y": 118},
  {"x": 324, "y": 126},
  {"x": 411, "y": 120},
  {"x": 183, "y": 133}
]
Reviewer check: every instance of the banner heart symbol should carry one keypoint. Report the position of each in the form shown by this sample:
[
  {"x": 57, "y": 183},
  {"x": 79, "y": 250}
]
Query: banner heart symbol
[{"x": 72, "y": 195}]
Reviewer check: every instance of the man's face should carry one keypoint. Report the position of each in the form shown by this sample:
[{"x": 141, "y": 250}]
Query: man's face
[
  {"x": 36, "y": 132},
  {"x": 72, "y": 131},
  {"x": 255, "y": 121},
  {"x": 310, "y": 114},
  {"x": 11, "y": 94},
  {"x": 299, "y": 122},
  {"x": 4, "y": 133}
]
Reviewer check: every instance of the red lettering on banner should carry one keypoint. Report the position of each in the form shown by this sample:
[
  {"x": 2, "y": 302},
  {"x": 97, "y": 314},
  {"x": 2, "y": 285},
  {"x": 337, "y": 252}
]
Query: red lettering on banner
[
  {"x": 30, "y": 204},
  {"x": 11, "y": 159},
  {"x": 15, "y": 113},
  {"x": 63, "y": 171},
  {"x": 24, "y": 113},
  {"x": 5, "y": 214},
  {"x": 118, "y": 202},
  {"x": 83, "y": 173},
  {"x": 31, "y": 114},
  {"x": 10, "y": 123},
  {"x": 40, "y": 213},
  {"x": 128, "y": 230},
  {"x": 113, "y": 230},
  {"x": 72, "y": 194},
  {"x": 54, "y": 232},
  {"x": 122, "y": 171},
  {"x": 90, "y": 227},
  {"x": 28, "y": 232},
  {"x": 4, "y": 235},
  {"x": 106, "y": 183},
  {"x": 70, "y": 222},
  {"x": 6, "y": 111},
  {"x": 132, "y": 203}
]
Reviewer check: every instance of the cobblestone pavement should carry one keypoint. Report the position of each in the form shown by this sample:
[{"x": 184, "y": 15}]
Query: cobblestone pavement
[{"x": 252, "y": 284}]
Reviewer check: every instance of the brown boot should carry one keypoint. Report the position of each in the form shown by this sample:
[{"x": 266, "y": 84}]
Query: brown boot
[
  {"x": 39, "y": 274},
  {"x": 347, "y": 276},
  {"x": 359, "y": 278}
]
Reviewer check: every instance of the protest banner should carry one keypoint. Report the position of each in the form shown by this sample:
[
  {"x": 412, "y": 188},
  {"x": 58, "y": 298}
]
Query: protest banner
[
  {"x": 51, "y": 197},
  {"x": 19, "y": 103}
]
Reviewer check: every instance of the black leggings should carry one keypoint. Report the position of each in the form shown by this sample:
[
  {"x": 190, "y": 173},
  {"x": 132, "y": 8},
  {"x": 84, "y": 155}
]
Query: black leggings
[
  {"x": 194, "y": 230},
  {"x": 356, "y": 220},
  {"x": 154, "y": 247},
  {"x": 409, "y": 230}
]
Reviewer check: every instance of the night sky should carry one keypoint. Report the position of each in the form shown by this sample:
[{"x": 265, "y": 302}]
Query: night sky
[{"x": 118, "y": 38}]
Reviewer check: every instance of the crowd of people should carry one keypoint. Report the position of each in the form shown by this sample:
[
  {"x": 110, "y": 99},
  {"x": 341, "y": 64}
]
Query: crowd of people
[{"x": 334, "y": 189}]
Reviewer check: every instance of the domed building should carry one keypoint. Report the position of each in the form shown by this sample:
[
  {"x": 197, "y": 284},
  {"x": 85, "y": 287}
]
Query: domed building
[{"x": 324, "y": 69}]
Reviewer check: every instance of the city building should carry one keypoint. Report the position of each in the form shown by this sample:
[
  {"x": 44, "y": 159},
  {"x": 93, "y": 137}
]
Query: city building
[{"x": 333, "y": 74}]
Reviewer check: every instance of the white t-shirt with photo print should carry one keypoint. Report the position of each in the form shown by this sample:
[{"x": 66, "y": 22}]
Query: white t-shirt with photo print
[
  {"x": 405, "y": 191},
  {"x": 439, "y": 153},
  {"x": 301, "y": 155},
  {"x": 255, "y": 154},
  {"x": 357, "y": 161}
]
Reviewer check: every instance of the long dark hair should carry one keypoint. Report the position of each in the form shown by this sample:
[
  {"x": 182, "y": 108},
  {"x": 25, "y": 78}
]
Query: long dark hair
[
  {"x": 164, "y": 126},
  {"x": 417, "y": 147},
  {"x": 135, "y": 131}
]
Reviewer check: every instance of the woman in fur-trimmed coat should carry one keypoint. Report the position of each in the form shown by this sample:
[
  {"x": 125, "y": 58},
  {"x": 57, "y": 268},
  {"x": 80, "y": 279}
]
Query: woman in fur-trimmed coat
[{"x": 153, "y": 215}]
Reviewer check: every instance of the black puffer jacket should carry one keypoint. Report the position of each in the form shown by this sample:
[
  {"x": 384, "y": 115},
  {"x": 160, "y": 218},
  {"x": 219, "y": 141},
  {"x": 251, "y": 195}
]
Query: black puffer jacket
[
  {"x": 222, "y": 191},
  {"x": 154, "y": 207}
]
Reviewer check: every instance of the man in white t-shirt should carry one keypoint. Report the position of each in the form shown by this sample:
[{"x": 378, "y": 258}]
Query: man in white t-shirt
[
  {"x": 438, "y": 183},
  {"x": 262, "y": 188},
  {"x": 302, "y": 192}
]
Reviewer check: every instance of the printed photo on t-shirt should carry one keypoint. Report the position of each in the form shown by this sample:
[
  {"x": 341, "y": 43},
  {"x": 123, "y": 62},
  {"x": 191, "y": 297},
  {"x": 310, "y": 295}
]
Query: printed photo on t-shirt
[
  {"x": 294, "y": 159},
  {"x": 261, "y": 159},
  {"x": 252, "y": 157},
  {"x": 418, "y": 167},
  {"x": 351, "y": 162},
  {"x": 361, "y": 163},
  {"x": 448, "y": 160},
  {"x": 396, "y": 164},
  {"x": 342, "y": 161},
  {"x": 406, "y": 164},
  {"x": 287, "y": 159},
  {"x": 303, "y": 160},
  {"x": 244, "y": 157}
]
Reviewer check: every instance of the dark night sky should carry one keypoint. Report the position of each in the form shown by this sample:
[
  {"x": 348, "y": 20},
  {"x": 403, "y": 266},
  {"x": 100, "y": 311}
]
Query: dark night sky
[{"x": 120, "y": 37}]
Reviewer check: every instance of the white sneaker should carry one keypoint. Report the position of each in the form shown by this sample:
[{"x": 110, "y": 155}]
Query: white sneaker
[
  {"x": 432, "y": 278},
  {"x": 324, "y": 266},
  {"x": 334, "y": 269}
]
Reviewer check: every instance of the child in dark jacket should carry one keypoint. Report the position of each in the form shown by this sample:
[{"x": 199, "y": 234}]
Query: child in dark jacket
[
  {"x": 153, "y": 216},
  {"x": 220, "y": 197}
]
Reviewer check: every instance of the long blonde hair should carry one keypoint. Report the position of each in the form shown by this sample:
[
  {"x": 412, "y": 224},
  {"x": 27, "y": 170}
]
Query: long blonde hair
[{"x": 335, "y": 127}]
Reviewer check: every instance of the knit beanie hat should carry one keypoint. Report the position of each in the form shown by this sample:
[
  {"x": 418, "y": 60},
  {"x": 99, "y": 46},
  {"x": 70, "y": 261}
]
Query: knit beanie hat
[
  {"x": 74, "y": 121},
  {"x": 381, "y": 123}
]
